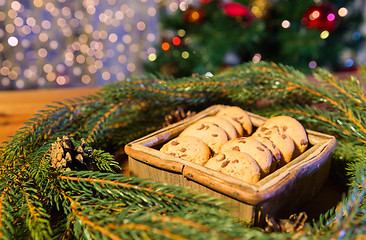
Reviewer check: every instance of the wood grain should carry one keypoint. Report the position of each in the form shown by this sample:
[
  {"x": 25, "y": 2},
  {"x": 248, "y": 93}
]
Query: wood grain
[{"x": 16, "y": 107}]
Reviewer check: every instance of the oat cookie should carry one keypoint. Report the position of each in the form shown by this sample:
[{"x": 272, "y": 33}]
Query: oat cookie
[
  {"x": 293, "y": 128},
  {"x": 189, "y": 148},
  {"x": 254, "y": 148},
  {"x": 223, "y": 123},
  {"x": 282, "y": 141},
  {"x": 210, "y": 133},
  {"x": 237, "y": 164},
  {"x": 239, "y": 115}
]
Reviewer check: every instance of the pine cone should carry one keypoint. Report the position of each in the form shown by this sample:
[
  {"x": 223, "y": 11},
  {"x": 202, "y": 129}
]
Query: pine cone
[
  {"x": 177, "y": 115},
  {"x": 65, "y": 156},
  {"x": 295, "y": 223}
]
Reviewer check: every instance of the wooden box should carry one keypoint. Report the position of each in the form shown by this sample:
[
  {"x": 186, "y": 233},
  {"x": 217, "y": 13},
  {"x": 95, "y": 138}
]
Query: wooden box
[{"x": 276, "y": 195}]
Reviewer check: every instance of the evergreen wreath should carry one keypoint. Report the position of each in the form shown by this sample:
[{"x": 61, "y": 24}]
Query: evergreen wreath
[{"x": 39, "y": 201}]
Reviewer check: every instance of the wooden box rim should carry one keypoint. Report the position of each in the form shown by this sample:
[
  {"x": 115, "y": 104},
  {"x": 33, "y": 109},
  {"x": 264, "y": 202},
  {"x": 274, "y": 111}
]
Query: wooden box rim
[{"x": 321, "y": 147}]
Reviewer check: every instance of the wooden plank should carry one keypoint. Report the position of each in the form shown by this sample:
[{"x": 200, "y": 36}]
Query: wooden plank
[{"x": 16, "y": 107}]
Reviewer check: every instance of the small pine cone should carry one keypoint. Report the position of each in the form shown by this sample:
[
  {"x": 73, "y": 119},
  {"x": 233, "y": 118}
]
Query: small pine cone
[
  {"x": 177, "y": 115},
  {"x": 83, "y": 143},
  {"x": 64, "y": 155},
  {"x": 79, "y": 157},
  {"x": 68, "y": 157},
  {"x": 80, "y": 149},
  {"x": 57, "y": 153},
  {"x": 67, "y": 143}
]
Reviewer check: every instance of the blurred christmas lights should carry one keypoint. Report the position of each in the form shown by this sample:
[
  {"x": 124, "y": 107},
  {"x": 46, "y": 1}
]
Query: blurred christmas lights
[
  {"x": 165, "y": 46},
  {"x": 312, "y": 64},
  {"x": 342, "y": 12},
  {"x": 324, "y": 34},
  {"x": 185, "y": 55},
  {"x": 176, "y": 41},
  {"x": 348, "y": 63},
  {"x": 286, "y": 24},
  {"x": 82, "y": 41}
]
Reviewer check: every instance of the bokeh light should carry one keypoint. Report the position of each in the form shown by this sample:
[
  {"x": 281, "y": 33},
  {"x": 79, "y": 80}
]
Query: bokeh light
[
  {"x": 13, "y": 41},
  {"x": 185, "y": 54},
  {"x": 342, "y": 12},
  {"x": 57, "y": 43},
  {"x": 256, "y": 58},
  {"x": 165, "y": 46},
  {"x": 286, "y": 24},
  {"x": 324, "y": 34},
  {"x": 348, "y": 63},
  {"x": 176, "y": 41},
  {"x": 312, "y": 64}
]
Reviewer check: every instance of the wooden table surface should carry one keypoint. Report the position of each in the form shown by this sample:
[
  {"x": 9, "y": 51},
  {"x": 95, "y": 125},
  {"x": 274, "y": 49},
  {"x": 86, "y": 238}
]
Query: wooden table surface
[{"x": 16, "y": 107}]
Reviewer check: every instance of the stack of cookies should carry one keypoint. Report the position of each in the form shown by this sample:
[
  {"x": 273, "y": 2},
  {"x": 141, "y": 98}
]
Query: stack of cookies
[{"x": 228, "y": 142}]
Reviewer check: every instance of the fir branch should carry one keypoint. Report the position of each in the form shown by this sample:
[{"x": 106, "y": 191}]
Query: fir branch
[
  {"x": 120, "y": 113},
  {"x": 103, "y": 161},
  {"x": 323, "y": 75},
  {"x": 37, "y": 219},
  {"x": 6, "y": 228},
  {"x": 154, "y": 223},
  {"x": 98, "y": 123},
  {"x": 126, "y": 189},
  {"x": 350, "y": 221}
]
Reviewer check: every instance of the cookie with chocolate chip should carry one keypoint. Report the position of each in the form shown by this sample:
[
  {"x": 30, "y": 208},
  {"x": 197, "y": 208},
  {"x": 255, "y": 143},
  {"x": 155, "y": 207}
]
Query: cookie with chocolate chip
[
  {"x": 237, "y": 164},
  {"x": 223, "y": 123},
  {"x": 210, "y": 133},
  {"x": 237, "y": 125},
  {"x": 293, "y": 128},
  {"x": 240, "y": 116},
  {"x": 254, "y": 148},
  {"x": 274, "y": 150},
  {"x": 189, "y": 148},
  {"x": 280, "y": 139}
]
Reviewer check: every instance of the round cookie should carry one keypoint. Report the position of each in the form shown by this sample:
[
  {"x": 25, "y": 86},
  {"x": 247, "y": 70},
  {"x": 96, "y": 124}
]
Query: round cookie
[
  {"x": 189, "y": 148},
  {"x": 282, "y": 141},
  {"x": 223, "y": 123},
  {"x": 254, "y": 148},
  {"x": 210, "y": 133},
  {"x": 274, "y": 150},
  {"x": 237, "y": 125},
  {"x": 237, "y": 164},
  {"x": 239, "y": 115},
  {"x": 293, "y": 128}
]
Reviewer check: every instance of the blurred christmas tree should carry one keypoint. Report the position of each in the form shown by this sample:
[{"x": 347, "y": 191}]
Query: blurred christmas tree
[{"x": 208, "y": 35}]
